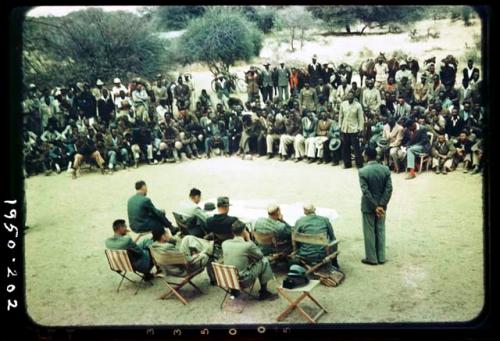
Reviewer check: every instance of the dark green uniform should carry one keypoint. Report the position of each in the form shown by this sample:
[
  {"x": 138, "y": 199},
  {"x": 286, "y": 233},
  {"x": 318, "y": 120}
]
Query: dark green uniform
[
  {"x": 281, "y": 230},
  {"x": 138, "y": 253},
  {"x": 143, "y": 216},
  {"x": 376, "y": 186},
  {"x": 314, "y": 224}
]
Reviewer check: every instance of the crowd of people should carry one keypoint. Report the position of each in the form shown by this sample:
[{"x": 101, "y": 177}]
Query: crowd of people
[
  {"x": 212, "y": 235},
  {"x": 314, "y": 114}
]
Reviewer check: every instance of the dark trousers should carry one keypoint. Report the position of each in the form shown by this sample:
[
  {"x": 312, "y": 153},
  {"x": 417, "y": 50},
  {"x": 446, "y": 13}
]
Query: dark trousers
[
  {"x": 267, "y": 93},
  {"x": 330, "y": 155},
  {"x": 348, "y": 140}
]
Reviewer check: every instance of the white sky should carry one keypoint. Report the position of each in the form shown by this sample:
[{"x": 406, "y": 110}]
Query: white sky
[{"x": 59, "y": 11}]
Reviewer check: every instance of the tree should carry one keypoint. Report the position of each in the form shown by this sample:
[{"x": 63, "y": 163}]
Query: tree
[
  {"x": 90, "y": 44},
  {"x": 219, "y": 39},
  {"x": 172, "y": 18},
  {"x": 367, "y": 16},
  {"x": 263, "y": 17},
  {"x": 297, "y": 20}
]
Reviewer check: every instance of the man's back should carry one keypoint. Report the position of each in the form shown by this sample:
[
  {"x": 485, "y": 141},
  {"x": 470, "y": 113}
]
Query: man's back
[
  {"x": 281, "y": 230},
  {"x": 220, "y": 224},
  {"x": 240, "y": 253},
  {"x": 314, "y": 224},
  {"x": 138, "y": 211},
  {"x": 139, "y": 258},
  {"x": 376, "y": 179}
]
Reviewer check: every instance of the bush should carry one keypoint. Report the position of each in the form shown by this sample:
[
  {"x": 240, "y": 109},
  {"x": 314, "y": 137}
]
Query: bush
[
  {"x": 263, "y": 17},
  {"x": 90, "y": 44},
  {"x": 172, "y": 18},
  {"x": 219, "y": 39}
]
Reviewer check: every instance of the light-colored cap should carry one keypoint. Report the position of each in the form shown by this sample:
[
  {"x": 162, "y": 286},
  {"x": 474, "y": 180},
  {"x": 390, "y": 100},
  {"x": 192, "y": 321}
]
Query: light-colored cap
[
  {"x": 309, "y": 208},
  {"x": 116, "y": 80},
  {"x": 99, "y": 82},
  {"x": 315, "y": 56},
  {"x": 272, "y": 208},
  {"x": 32, "y": 86}
]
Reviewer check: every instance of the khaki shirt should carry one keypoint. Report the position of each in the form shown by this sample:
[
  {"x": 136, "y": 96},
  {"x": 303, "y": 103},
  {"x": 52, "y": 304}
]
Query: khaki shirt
[
  {"x": 371, "y": 99},
  {"x": 240, "y": 253},
  {"x": 351, "y": 118},
  {"x": 308, "y": 98}
]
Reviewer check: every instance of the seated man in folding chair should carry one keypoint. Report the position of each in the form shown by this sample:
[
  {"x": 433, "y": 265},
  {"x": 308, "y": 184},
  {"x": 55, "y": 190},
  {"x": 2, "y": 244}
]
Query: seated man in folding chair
[
  {"x": 143, "y": 215},
  {"x": 314, "y": 224},
  {"x": 196, "y": 218},
  {"x": 219, "y": 227},
  {"x": 138, "y": 252},
  {"x": 198, "y": 251},
  {"x": 242, "y": 253},
  {"x": 276, "y": 224}
]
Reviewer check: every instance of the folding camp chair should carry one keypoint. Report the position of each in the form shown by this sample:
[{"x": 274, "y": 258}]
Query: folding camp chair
[
  {"x": 190, "y": 226},
  {"x": 269, "y": 239},
  {"x": 119, "y": 262},
  {"x": 181, "y": 222},
  {"x": 175, "y": 258},
  {"x": 138, "y": 235},
  {"x": 315, "y": 239},
  {"x": 227, "y": 278},
  {"x": 306, "y": 292}
]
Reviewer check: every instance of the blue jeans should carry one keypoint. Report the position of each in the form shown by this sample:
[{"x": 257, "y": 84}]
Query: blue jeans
[
  {"x": 208, "y": 144},
  {"x": 111, "y": 158},
  {"x": 411, "y": 153}
]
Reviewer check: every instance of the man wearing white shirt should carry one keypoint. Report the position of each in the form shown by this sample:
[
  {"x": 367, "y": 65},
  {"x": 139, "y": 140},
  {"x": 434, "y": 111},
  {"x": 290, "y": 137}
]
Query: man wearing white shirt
[
  {"x": 371, "y": 97},
  {"x": 403, "y": 72},
  {"x": 123, "y": 105},
  {"x": 189, "y": 209},
  {"x": 161, "y": 109},
  {"x": 141, "y": 99},
  {"x": 382, "y": 73},
  {"x": 342, "y": 91},
  {"x": 117, "y": 87}
]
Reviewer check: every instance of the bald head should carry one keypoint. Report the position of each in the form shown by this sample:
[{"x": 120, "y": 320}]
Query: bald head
[{"x": 309, "y": 209}]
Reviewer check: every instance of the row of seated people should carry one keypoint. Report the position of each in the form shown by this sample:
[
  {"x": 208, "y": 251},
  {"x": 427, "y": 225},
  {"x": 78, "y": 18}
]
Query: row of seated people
[{"x": 224, "y": 239}]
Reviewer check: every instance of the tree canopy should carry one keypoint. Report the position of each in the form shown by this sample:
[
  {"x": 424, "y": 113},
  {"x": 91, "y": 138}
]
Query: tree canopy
[
  {"x": 368, "y": 16},
  {"x": 176, "y": 17},
  {"x": 219, "y": 39},
  {"x": 90, "y": 44}
]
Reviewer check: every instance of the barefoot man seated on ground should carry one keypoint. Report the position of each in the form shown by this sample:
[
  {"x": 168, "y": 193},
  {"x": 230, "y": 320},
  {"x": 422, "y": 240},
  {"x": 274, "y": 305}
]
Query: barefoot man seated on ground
[
  {"x": 281, "y": 229},
  {"x": 137, "y": 252},
  {"x": 198, "y": 251},
  {"x": 314, "y": 224},
  {"x": 143, "y": 215},
  {"x": 242, "y": 253}
]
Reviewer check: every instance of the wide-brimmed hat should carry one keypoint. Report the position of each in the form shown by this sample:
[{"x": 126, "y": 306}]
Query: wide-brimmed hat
[
  {"x": 223, "y": 202},
  {"x": 334, "y": 144}
]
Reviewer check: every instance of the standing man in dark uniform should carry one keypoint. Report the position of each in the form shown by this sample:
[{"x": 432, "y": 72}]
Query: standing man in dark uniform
[
  {"x": 315, "y": 71},
  {"x": 376, "y": 186},
  {"x": 143, "y": 215}
]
